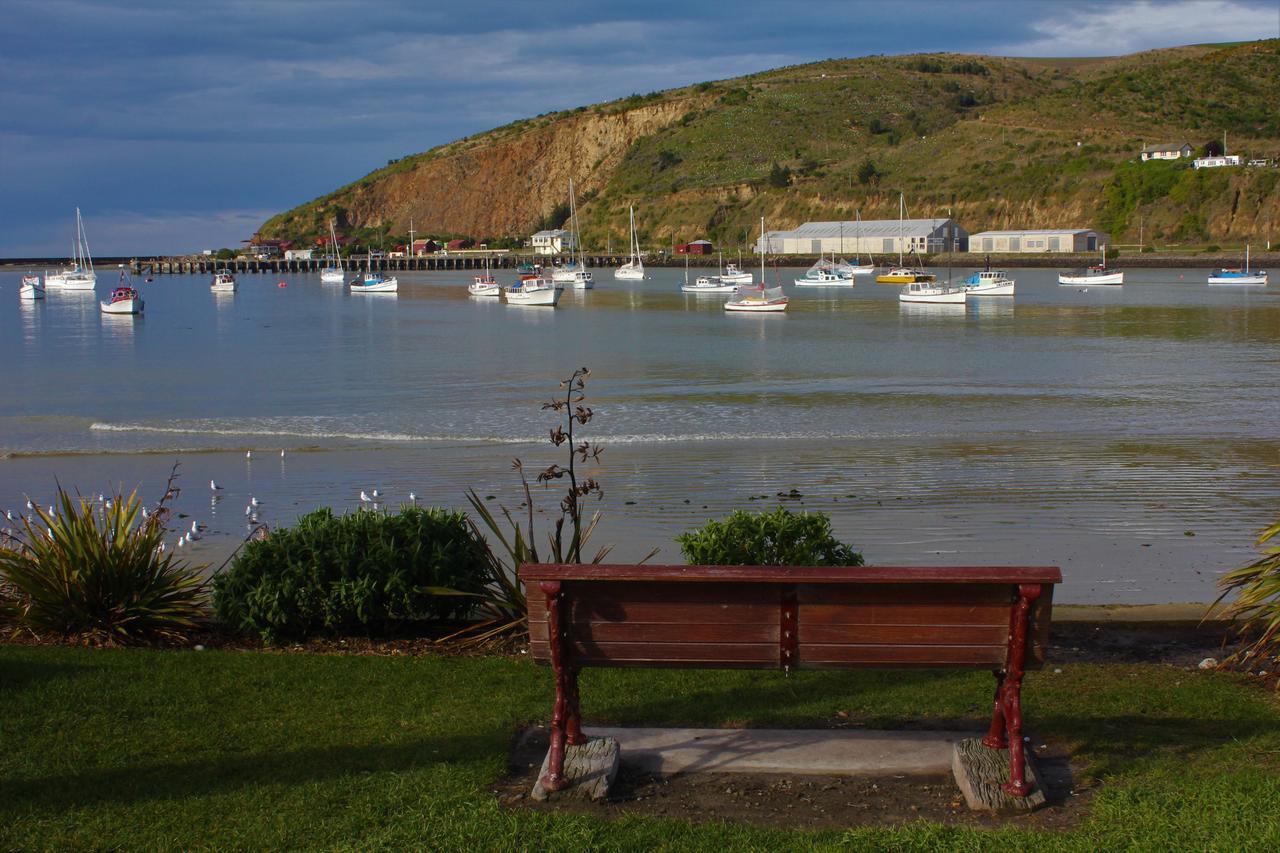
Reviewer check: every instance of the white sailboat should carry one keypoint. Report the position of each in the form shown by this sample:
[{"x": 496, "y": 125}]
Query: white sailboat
[
  {"x": 333, "y": 273},
  {"x": 1098, "y": 274},
  {"x": 845, "y": 268},
  {"x": 824, "y": 273},
  {"x": 79, "y": 274},
  {"x": 758, "y": 299},
  {"x": 633, "y": 269},
  {"x": 575, "y": 273},
  {"x": 1239, "y": 276}
]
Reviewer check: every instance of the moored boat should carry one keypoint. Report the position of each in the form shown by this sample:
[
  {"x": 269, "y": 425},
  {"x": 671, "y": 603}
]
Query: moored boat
[
  {"x": 734, "y": 274},
  {"x": 223, "y": 282},
  {"x": 79, "y": 274},
  {"x": 484, "y": 284},
  {"x": 333, "y": 273},
  {"x": 534, "y": 290},
  {"x": 374, "y": 282},
  {"x": 125, "y": 299},
  {"x": 1098, "y": 274},
  {"x": 761, "y": 299},
  {"x": 31, "y": 288},
  {"x": 825, "y": 273},
  {"x": 989, "y": 283},
  {"x": 903, "y": 274},
  {"x": 633, "y": 269},
  {"x": 1242, "y": 275},
  {"x": 932, "y": 293}
]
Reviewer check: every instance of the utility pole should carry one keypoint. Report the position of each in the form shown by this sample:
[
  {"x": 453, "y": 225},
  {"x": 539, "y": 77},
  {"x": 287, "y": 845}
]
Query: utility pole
[{"x": 409, "y": 249}]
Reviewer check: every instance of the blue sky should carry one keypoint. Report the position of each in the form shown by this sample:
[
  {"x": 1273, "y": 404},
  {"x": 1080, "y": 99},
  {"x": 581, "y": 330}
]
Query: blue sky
[{"x": 179, "y": 126}]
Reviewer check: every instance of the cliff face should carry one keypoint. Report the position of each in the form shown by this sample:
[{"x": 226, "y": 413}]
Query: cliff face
[{"x": 1000, "y": 143}]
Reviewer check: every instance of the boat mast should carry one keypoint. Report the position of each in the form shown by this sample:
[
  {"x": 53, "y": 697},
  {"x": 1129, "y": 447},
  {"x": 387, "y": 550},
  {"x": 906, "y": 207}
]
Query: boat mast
[
  {"x": 764, "y": 247},
  {"x": 901, "y": 205}
]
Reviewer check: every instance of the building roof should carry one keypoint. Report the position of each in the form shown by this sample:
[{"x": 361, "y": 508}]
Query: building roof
[
  {"x": 1167, "y": 146},
  {"x": 1034, "y": 232},
  {"x": 867, "y": 228},
  {"x": 558, "y": 232}
]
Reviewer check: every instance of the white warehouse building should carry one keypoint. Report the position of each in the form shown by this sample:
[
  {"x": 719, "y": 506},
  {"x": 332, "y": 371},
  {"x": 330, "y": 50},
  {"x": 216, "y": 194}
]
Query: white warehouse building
[
  {"x": 1038, "y": 241},
  {"x": 872, "y": 237}
]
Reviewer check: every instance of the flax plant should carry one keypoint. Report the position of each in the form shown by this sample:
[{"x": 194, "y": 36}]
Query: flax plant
[
  {"x": 1257, "y": 604},
  {"x": 99, "y": 573}
]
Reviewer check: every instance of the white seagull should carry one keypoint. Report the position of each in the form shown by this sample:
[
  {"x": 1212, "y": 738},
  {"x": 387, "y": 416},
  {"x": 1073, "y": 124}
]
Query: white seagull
[
  {"x": 248, "y": 454},
  {"x": 32, "y": 506},
  {"x": 214, "y": 486},
  {"x": 376, "y": 495},
  {"x": 413, "y": 498},
  {"x": 363, "y": 498},
  {"x": 282, "y": 453},
  {"x": 254, "y": 502},
  {"x": 180, "y": 542}
]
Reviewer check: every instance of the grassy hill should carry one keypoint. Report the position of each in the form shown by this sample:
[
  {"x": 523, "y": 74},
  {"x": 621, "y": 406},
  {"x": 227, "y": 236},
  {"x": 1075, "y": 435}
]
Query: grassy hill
[{"x": 1000, "y": 142}]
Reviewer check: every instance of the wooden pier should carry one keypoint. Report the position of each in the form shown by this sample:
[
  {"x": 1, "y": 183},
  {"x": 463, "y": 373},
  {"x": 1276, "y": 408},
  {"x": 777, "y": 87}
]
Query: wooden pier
[{"x": 425, "y": 263}]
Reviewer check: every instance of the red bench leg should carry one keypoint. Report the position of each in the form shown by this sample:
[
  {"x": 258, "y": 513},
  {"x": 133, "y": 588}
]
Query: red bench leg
[
  {"x": 553, "y": 779},
  {"x": 1012, "y": 689},
  {"x": 996, "y": 736},
  {"x": 573, "y": 720}
]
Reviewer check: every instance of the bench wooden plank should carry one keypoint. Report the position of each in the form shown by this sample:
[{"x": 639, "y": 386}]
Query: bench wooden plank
[
  {"x": 792, "y": 574},
  {"x": 679, "y": 654},
  {"x": 909, "y": 634},
  {"x": 944, "y": 656}
]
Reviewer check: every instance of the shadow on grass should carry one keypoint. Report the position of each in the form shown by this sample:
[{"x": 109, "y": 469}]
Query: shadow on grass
[
  {"x": 16, "y": 675},
  {"x": 179, "y": 780}
]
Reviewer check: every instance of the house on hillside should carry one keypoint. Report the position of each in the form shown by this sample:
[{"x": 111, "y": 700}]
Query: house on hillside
[
  {"x": 297, "y": 255},
  {"x": 1167, "y": 151},
  {"x": 425, "y": 247},
  {"x": 461, "y": 243},
  {"x": 1034, "y": 241},
  {"x": 1215, "y": 162},
  {"x": 553, "y": 242},
  {"x": 869, "y": 237},
  {"x": 697, "y": 247}
]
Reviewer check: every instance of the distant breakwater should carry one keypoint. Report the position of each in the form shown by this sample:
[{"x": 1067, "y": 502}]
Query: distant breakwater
[{"x": 179, "y": 265}]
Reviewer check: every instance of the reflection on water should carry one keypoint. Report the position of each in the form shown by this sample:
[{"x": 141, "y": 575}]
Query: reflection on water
[
  {"x": 118, "y": 329},
  {"x": 927, "y": 311},
  {"x": 29, "y": 309}
]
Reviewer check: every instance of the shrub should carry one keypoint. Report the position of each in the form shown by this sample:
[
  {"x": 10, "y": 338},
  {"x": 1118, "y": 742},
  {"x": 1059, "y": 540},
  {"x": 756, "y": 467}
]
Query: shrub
[
  {"x": 362, "y": 572},
  {"x": 778, "y": 538},
  {"x": 1257, "y": 604},
  {"x": 100, "y": 573}
]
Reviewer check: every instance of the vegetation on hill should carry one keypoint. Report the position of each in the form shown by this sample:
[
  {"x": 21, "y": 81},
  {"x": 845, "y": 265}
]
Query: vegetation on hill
[{"x": 998, "y": 142}]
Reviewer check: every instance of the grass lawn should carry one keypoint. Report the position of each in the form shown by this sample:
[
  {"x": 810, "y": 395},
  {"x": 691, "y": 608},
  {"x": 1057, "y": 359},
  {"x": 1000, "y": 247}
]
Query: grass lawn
[{"x": 257, "y": 750}]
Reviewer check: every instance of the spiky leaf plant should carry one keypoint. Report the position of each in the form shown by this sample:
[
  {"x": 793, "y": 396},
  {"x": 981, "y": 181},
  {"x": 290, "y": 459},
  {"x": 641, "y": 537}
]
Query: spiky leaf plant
[
  {"x": 1256, "y": 604},
  {"x": 99, "y": 573}
]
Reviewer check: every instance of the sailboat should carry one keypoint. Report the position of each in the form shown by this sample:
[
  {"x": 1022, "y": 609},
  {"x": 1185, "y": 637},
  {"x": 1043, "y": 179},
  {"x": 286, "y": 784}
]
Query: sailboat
[
  {"x": 484, "y": 285},
  {"x": 824, "y": 273},
  {"x": 633, "y": 269},
  {"x": 758, "y": 299},
  {"x": 79, "y": 274},
  {"x": 709, "y": 283},
  {"x": 333, "y": 273},
  {"x": 1239, "y": 276},
  {"x": 844, "y": 267},
  {"x": 902, "y": 274},
  {"x": 575, "y": 273},
  {"x": 1098, "y": 274}
]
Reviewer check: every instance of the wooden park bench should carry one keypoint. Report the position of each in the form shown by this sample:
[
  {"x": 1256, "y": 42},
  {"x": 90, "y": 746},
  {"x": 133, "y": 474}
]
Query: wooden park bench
[{"x": 789, "y": 617}]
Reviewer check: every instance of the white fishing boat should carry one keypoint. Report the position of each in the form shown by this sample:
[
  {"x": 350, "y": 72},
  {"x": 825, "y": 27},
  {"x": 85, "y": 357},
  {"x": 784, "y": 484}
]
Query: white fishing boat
[
  {"x": 485, "y": 284},
  {"x": 533, "y": 290},
  {"x": 824, "y": 273},
  {"x": 758, "y": 299},
  {"x": 374, "y": 282},
  {"x": 79, "y": 274},
  {"x": 734, "y": 274},
  {"x": 333, "y": 273},
  {"x": 1239, "y": 276},
  {"x": 124, "y": 298},
  {"x": 903, "y": 274},
  {"x": 933, "y": 293},
  {"x": 574, "y": 273},
  {"x": 223, "y": 282},
  {"x": 31, "y": 288},
  {"x": 708, "y": 284},
  {"x": 989, "y": 283},
  {"x": 1098, "y": 274},
  {"x": 633, "y": 269}
]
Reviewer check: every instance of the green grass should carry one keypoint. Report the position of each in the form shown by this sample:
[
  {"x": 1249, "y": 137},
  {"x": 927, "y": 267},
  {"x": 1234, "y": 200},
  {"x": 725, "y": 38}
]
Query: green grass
[{"x": 257, "y": 750}]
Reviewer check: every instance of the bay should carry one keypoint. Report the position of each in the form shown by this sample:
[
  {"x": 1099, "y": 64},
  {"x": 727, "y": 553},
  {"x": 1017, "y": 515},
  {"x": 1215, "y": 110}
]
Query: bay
[{"x": 1095, "y": 428}]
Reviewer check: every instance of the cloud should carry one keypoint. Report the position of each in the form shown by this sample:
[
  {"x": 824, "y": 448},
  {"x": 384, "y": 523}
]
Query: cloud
[
  {"x": 1095, "y": 29},
  {"x": 124, "y": 233}
]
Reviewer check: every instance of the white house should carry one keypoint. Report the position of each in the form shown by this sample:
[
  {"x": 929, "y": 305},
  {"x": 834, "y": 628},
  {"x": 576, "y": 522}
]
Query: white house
[
  {"x": 1038, "y": 240},
  {"x": 297, "y": 255},
  {"x": 1167, "y": 151},
  {"x": 1215, "y": 162},
  {"x": 874, "y": 236},
  {"x": 553, "y": 242}
]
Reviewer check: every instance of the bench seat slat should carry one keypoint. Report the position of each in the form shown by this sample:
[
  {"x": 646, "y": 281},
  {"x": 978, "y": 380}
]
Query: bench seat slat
[
  {"x": 952, "y": 575},
  {"x": 743, "y": 654},
  {"x": 906, "y": 613},
  {"x": 816, "y": 653},
  {"x": 641, "y": 632},
  {"x": 910, "y": 634}
]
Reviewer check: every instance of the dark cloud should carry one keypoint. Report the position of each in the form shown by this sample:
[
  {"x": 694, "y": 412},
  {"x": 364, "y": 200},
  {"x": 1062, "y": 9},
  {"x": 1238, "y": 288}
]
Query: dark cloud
[{"x": 211, "y": 112}]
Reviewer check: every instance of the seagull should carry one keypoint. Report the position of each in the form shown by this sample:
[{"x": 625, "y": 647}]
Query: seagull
[
  {"x": 375, "y": 494},
  {"x": 101, "y": 497},
  {"x": 413, "y": 498},
  {"x": 8, "y": 514},
  {"x": 107, "y": 505},
  {"x": 197, "y": 527},
  {"x": 247, "y": 509},
  {"x": 160, "y": 548},
  {"x": 282, "y": 453},
  {"x": 254, "y": 502},
  {"x": 32, "y": 506},
  {"x": 248, "y": 454},
  {"x": 363, "y": 498},
  {"x": 145, "y": 514},
  {"x": 214, "y": 486},
  {"x": 180, "y": 542}
]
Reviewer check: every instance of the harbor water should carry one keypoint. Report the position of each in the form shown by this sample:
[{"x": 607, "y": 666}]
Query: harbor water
[{"x": 1126, "y": 434}]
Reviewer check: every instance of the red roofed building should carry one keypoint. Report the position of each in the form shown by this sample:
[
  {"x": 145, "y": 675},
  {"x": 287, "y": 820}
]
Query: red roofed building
[
  {"x": 697, "y": 247},
  {"x": 462, "y": 243}
]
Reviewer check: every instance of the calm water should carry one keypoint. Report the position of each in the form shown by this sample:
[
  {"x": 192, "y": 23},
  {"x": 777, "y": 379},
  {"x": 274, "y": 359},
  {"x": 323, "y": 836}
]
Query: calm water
[{"x": 1092, "y": 429}]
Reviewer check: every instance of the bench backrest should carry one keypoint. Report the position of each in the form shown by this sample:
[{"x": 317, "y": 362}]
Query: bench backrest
[{"x": 802, "y": 617}]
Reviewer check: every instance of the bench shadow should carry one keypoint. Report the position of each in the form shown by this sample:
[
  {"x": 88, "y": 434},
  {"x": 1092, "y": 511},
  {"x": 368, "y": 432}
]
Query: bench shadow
[
  {"x": 17, "y": 675},
  {"x": 182, "y": 779}
]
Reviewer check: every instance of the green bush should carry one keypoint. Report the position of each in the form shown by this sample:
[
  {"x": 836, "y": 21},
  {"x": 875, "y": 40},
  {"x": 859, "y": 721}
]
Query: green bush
[
  {"x": 365, "y": 572},
  {"x": 99, "y": 573},
  {"x": 778, "y": 538},
  {"x": 1256, "y": 604}
]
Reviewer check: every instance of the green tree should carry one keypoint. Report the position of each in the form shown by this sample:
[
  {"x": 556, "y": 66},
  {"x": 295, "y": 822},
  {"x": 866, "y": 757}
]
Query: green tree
[
  {"x": 868, "y": 173},
  {"x": 779, "y": 176}
]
